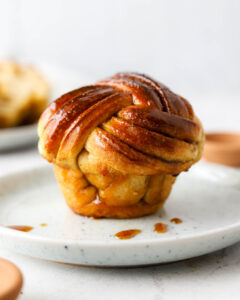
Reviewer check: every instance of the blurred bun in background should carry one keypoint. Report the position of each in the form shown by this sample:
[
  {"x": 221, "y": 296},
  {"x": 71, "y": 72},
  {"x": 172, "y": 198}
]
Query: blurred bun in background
[{"x": 24, "y": 94}]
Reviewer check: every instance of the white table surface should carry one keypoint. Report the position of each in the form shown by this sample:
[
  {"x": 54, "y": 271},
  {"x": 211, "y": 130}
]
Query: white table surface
[{"x": 213, "y": 276}]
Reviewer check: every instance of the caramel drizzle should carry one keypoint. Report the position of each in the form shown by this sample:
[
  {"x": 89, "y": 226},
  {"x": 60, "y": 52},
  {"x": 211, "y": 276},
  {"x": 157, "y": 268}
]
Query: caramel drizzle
[
  {"x": 127, "y": 234},
  {"x": 22, "y": 228},
  {"x": 160, "y": 228},
  {"x": 176, "y": 220}
]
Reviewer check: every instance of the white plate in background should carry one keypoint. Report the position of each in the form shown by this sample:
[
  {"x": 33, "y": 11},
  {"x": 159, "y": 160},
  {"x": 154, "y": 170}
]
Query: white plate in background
[
  {"x": 17, "y": 137},
  {"x": 207, "y": 199}
]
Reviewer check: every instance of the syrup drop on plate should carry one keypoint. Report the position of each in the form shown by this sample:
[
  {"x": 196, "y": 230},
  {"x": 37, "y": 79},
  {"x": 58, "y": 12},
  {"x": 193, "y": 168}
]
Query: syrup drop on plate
[
  {"x": 176, "y": 220},
  {"x": 20, "y": 228},
  {"x": 127, "y": 234},
  {"x": 160, "y": 228}
]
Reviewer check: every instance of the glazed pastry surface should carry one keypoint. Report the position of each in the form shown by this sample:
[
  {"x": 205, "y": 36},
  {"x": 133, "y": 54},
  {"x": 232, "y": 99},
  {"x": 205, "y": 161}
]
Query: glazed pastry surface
[
  {"x": 117, "y": 146},
  {"x": 23, "y": 94}
]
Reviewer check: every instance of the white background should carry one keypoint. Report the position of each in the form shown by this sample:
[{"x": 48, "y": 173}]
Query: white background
[{"x": 189, "y": 45}]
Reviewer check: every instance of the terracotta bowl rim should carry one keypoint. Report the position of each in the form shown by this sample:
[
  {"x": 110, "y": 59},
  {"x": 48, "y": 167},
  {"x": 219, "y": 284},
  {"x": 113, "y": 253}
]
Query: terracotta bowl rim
[{"x": 223, "y": 140}]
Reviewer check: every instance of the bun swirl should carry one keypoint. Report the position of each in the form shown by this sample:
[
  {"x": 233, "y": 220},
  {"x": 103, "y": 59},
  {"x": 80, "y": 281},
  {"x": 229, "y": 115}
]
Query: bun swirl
[{"x": 118, "y": 145}]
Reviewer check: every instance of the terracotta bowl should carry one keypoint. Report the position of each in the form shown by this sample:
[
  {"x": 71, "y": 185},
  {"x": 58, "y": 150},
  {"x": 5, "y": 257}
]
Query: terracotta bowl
[
  {"x": 11, "y": 280},
  {"x": 222, "y": 148}
]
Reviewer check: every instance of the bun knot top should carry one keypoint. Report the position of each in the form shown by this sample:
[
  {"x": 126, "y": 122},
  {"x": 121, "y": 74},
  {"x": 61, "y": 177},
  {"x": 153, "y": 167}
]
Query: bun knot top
[{"x": 129, "y": 121}]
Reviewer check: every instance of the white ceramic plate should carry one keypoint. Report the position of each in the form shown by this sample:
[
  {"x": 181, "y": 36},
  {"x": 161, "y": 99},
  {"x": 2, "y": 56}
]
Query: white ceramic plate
[
  {"x": 207, "y": 199},
  {"x": 61, "y": 81},
  {"x": 17, "y": 137}
]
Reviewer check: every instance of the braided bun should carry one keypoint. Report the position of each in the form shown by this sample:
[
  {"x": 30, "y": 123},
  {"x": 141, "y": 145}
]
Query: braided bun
[{"x": 118, "y": 145}]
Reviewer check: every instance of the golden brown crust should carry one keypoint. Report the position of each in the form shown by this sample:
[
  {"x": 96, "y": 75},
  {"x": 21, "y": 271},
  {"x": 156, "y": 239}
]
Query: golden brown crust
[
  {"x": 83, "y": 198},
  {"x": 120, "y": 141}
]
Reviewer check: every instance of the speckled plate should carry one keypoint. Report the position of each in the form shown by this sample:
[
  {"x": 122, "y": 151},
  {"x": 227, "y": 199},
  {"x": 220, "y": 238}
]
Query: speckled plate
[{"x": 207, "y": 199}]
